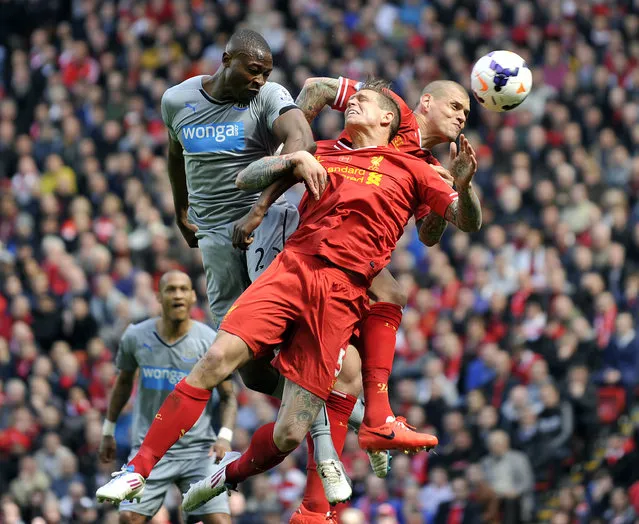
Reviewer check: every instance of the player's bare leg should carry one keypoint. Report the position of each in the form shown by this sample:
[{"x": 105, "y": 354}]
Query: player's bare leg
[
  {"x": 269, "y": 446},
  {"x": 179, "y": 412},
  {"x": 380, "y": 429}
]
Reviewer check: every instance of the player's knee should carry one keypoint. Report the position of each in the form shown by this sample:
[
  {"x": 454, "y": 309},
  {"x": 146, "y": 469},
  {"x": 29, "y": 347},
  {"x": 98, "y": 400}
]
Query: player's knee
[
  {"x": 288, "y": 437},
  {"x": 392, "y": 293},
  {"x": 128, "y": 517},
  {"x": 212, "y": 368}
]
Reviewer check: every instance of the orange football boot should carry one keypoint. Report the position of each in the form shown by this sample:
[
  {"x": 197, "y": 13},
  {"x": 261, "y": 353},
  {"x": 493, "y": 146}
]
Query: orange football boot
[{"x": 395, "y": 434}]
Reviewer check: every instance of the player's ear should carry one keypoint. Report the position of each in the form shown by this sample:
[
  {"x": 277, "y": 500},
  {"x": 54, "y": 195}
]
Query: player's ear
[
  {"x": 387, "y": 118},
  {"x": 425, "y": 102},
  {"x": 193, "y": 297}
]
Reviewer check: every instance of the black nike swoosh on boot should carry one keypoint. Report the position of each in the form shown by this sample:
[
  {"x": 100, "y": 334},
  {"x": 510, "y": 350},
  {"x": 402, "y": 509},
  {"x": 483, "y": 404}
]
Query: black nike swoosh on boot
[{"x": 390, "y": 436}]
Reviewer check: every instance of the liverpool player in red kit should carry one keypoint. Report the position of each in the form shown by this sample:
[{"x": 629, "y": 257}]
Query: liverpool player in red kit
[
  {"x": 439, "y": 117},
  {"x": 313, "y": 295}
]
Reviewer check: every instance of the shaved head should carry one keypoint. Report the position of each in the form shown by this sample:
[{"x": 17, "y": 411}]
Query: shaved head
[
  {"x": 175, "y": 272},
  {"x": 444, "y": 105},
  {"x": 439, "y": 88},
  {"x": 249, "y": 43}
]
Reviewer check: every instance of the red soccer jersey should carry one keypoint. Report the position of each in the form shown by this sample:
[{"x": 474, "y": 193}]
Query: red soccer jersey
[
  {"x": 372, "y": 192},
  {"x": 408, "y": 139}
]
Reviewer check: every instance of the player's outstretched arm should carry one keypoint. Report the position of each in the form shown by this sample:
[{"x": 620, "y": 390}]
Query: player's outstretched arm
[
  {"x": 301, "y": 164},
  {"x": 316, "y": 93},
  {"x": 119, "y": 397},
  {"x": 228, "y": 414},
  {"x": 465, "y": 212},
  {"x": 177, "y": 176}
]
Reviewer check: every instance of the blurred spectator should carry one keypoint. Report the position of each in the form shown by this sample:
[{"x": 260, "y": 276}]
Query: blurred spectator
[
  {"x": 510, "y": 475},
  {"x": 459, "y": 509}
]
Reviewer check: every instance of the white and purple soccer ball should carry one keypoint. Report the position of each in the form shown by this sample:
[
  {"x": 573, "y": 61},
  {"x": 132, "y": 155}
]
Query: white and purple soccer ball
[{"x": 501, "y": 80}]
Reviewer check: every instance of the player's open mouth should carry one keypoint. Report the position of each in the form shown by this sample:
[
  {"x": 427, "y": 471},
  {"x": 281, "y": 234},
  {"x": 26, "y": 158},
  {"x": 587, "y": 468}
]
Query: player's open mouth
[
  {"x": 179, "y": 305},
  {"x": 351, "y": 112}
]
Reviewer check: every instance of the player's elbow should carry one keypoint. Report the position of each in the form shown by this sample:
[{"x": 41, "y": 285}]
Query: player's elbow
[
  {"x": 241, "y": 182},
  {"x": 472, "y": 226},
  {"x": 428, "y": 242},
  {"x": 312, "y": 83}
]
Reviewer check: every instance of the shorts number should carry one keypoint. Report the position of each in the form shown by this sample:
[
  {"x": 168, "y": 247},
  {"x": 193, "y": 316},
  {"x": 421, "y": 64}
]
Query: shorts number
[
  {"x": 260, "y": 250},
  {"x": 340, "y": 362},
  {"x": 259, "y": 265}
]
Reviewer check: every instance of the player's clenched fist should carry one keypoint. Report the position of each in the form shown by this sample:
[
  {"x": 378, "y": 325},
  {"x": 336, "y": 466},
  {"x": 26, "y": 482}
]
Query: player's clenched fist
[{"x": 307, "y": 168}]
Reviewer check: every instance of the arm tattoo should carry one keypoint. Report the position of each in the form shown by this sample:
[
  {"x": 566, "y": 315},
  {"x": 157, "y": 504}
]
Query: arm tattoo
[
  {"x": 465, "y": 212},
  {"x": 262, "y": 173},
  {"x": 315, "y": 94},
  {"x": 431, "y": 229}
]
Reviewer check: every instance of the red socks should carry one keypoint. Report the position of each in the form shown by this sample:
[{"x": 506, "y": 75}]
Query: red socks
[
  {"x": 339, "y": 407},
  {"x": 377, "y": 349},
  {"x": 261, "y": 455},
  {"x": 176, "y": 416}
]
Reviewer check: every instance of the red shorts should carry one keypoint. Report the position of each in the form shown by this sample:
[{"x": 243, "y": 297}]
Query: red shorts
[{"x": 306, "y": 306}]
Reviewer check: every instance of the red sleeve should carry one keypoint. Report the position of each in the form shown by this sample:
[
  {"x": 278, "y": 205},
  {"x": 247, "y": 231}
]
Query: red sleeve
[
  {"x": 345, "y": 89},
  {"x": 433, "y": 191}
]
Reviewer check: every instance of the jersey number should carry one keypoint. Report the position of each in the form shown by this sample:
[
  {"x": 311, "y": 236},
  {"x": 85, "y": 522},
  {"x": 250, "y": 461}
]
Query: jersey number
[{"x": 259, "y": 266}]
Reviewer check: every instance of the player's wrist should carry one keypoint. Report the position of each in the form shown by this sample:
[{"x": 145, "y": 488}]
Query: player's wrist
[
  {"x": 108, "y": 428},
  {"x": 225, "y": 433},
  {"x": 259, "y": 210}
]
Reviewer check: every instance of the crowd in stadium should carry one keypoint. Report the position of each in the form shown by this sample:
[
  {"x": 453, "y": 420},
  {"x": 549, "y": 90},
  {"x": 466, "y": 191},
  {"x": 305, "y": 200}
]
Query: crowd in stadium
[{"x": 518, "y": 345}]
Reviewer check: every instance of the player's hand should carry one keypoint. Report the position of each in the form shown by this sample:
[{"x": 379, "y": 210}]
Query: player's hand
[
  {"x": 308, "y": 169},
  {"x": 107, "y": 449},
  {"x": 445, "y": 174},
  {"x": 243, "y": 229},
  {"x": 219, "y": 449},
  {"x": 464, "y": 164},
  {"x": 188, "y": 231}
]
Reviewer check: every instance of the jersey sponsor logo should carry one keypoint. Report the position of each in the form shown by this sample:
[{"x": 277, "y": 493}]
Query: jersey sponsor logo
[
  {"x": 147, "y": 346},
  {"x": 190, "y": 106},
  {"x": 357, "y": 174},
  {"x": 210, "y": 138},
  {"x": 161, "y": 379}
]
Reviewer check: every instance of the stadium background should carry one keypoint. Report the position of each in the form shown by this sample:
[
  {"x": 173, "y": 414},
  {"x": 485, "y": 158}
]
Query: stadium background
[{"x": 545, "y": 297}]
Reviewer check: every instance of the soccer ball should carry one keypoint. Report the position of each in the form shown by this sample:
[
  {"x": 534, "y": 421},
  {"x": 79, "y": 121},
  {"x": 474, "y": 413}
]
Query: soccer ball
[{"x": 501, "y": 80}]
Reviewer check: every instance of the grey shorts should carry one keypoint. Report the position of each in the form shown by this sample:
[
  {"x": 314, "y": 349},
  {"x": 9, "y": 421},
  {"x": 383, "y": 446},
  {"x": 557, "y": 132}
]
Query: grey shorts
[
  {"x": 230, "y": 271},
  {"x": 182, "y": 473}
]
